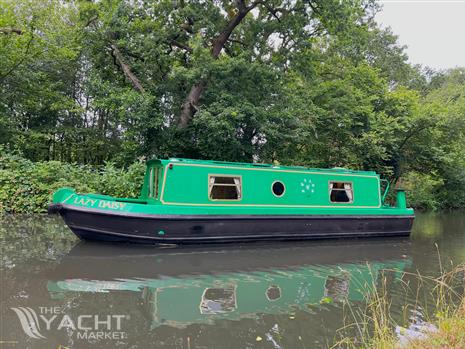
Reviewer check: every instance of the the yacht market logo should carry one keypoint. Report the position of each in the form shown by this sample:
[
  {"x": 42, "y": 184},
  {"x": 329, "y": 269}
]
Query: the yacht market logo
[
  {"x": 36, "y": 324},
  {"x": 29, "y": 321}
]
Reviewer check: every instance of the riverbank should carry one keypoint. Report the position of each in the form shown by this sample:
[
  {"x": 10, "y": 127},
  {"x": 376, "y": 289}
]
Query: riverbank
[
  {"x": 444, "y": 328},
  {"x": 448, "y": 333}
]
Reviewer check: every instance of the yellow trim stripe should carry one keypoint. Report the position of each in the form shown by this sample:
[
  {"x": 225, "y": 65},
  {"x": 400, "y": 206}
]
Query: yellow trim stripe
[
  {"x": 163, "y": 185},
  {"x": 263, "y": 205},
  {"x": 68, "y": 197}
]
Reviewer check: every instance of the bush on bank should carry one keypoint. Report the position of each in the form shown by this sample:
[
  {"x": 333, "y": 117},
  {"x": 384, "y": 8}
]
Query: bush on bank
[
  {"x": 26, "y": 186},
  {"x": 423, "y": 190}
]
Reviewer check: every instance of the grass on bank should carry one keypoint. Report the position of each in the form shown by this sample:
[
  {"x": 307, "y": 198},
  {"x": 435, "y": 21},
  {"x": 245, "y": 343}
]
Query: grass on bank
[{"x": 443, "y": 327}]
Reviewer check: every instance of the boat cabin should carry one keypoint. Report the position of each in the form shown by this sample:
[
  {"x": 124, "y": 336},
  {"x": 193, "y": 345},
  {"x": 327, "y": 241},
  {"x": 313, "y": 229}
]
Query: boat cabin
[{"x": 218, "y": 183}]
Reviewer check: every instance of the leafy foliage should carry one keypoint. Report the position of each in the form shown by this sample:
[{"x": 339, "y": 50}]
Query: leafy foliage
[
  {"x": 314, "y": 83},
  {"x": 27, "y": 186},
  {"x": 423, "y": 191}
]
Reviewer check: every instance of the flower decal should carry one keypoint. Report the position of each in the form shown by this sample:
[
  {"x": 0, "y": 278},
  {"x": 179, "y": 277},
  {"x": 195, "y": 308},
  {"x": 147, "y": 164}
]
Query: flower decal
[{"x": 306, "y": 186}]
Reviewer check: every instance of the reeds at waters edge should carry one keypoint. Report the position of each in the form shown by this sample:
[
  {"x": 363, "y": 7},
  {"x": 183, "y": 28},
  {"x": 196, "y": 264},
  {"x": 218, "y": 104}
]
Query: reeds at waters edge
[{"x": 439, "y": 299}]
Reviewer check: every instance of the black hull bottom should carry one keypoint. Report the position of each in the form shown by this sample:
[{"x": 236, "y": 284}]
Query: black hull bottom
[{"x": 147, "y": 229}]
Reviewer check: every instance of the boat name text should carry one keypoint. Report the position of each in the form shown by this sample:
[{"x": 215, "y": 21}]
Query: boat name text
[{"x": 114, "y": 205}]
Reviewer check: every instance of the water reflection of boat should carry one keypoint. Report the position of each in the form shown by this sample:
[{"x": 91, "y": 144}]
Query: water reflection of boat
[{"x": 184, "y": 286}]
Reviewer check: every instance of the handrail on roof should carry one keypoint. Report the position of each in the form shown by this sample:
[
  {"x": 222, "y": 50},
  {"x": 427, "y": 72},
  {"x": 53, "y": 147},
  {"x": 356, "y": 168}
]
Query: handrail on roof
[
  {"x": 334, "y": 169},
  {"x": 386, "y": 190}
]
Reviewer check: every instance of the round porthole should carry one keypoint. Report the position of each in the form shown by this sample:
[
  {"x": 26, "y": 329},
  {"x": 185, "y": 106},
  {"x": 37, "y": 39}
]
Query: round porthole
[{"x": 278, "y": 188}]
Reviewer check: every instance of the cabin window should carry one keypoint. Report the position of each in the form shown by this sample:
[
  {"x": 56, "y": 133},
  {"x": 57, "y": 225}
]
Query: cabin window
[
  {"x": 341, "y": 192},
  {"x": 224, "y": 187},
  {"x": 153, "y": 183},
  {"x": 278, "y": 188}
]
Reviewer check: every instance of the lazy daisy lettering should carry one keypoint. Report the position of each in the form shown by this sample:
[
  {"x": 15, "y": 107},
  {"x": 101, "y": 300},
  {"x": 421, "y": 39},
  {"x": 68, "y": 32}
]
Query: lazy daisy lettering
[{"x": 114, "y": 205}]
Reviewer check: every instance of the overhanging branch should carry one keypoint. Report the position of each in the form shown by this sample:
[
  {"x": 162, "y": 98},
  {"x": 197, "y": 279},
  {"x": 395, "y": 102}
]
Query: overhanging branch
[{"x": 119, "y": 61}]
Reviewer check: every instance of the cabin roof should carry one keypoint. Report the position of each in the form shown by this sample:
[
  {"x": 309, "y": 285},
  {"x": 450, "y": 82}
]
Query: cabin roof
[{"x": 252, "y": 165}]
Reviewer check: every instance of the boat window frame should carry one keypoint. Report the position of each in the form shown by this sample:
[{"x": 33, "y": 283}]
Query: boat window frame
[
  {"x": 272, "y": 191},
  {"x": 210, "y": 186},
  {"x": 154, "y": 182},
  {"x": 344, "y": 182}
]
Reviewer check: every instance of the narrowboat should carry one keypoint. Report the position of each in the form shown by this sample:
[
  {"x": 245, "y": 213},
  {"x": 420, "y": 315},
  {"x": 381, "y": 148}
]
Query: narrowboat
[{"x": 184, "y": 201}]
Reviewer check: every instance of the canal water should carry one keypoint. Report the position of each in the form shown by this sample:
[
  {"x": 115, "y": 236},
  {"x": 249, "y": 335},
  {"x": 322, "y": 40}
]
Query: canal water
[{"x": 58, "y": 292}]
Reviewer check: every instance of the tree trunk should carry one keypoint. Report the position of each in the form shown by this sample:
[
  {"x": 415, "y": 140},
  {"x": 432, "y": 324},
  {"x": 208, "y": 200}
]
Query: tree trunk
[
  {"x": 119, "y": 60},
  {"x": 190, "y": 105}
]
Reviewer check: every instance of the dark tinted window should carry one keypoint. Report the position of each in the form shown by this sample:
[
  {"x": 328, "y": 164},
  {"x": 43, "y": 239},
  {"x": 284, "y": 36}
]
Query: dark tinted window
[
  {"x": 341, "y": 192},
  {"x": 278, "y": 188}
]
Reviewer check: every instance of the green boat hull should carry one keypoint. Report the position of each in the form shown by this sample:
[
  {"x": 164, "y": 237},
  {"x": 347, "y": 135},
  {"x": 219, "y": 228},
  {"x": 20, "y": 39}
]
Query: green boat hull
[{"x": 178, "y": 205}]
